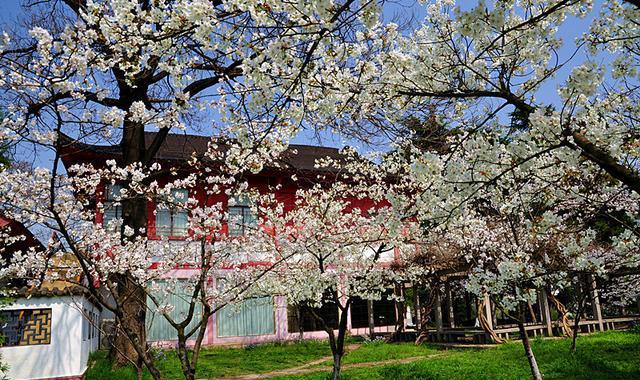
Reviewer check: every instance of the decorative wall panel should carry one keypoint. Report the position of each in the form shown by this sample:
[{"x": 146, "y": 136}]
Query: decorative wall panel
[{"x": 25, "y": 327}]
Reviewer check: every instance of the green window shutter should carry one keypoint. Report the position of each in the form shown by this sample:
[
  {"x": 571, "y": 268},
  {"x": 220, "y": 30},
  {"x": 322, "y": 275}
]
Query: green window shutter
[
  {"x": 254, "y": 316},
  {"x": 158, "y": 328}
]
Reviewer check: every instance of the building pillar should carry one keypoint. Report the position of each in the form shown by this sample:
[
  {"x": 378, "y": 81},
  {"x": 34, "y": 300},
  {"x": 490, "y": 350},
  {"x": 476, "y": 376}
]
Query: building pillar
[
  {"x": 438, "y": 310},
  {"x": 595, "y": 302},
  {"x": 545, "y": 312},
  {"x": 300, "y": 322},
  {"x": 282, "y": 326},
  {"x": 401, "y": 308},
  {"x": 449, "y": 301},
  {"x": 418, "y": 308},
  {"x": 372, "y": 324},
  {"x": 211, "y": 329}
]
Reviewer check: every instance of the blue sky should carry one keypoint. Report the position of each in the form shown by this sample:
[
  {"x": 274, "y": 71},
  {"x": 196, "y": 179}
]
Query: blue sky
[{"x": 9, "y": 9}]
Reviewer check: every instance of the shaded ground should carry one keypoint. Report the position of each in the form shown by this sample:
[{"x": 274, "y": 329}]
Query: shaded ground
[{"x": 609, "y": 355}]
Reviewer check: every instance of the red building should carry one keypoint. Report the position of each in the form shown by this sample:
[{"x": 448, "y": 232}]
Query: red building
[{"x": 258, "y": 319}]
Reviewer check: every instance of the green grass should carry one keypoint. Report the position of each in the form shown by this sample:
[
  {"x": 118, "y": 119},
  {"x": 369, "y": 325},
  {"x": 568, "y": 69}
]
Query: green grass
[
  {"x": 379, "y": 351},
  {"x": 219, "y": 361},
  {"x": 609, "y": 355}
]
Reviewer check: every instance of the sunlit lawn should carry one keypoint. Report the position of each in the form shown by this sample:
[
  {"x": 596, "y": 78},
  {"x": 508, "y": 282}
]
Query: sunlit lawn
[
  {"x": 220, "y": 361},
  {"x": 609, "y": 355}
]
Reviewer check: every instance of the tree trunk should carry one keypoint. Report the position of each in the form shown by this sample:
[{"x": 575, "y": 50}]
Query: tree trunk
[
  {"x": 139, "y": 369},
  {"x": 337, "y": 362},
  {"x": 582, "y": 297},
  {"x": 188, "y": 370},
  {"x": 338, "y": 347},
  {"x": 562, "y": 312},
  {"x": 131, "y": 295},
  {"x": 401, "y": 309},
  {"x": 133, "y": 320},
  {"x": 300, "y": 322},
  {"x": 371, "y": 320},
  {"x": 533, "y": 364},
  {"x": 417, "y": 307},
  {"x": 532, "y": 312},
  {"x": 336, "y": 343}
]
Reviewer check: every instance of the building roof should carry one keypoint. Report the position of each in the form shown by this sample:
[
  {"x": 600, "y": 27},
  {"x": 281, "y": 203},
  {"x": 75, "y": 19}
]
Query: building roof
[
  {"x": 48, "y": 288},
  {"x": 180, "y": 147},
  {"x": 14, "y": 228},
  {"x": 28, "y": 241}
]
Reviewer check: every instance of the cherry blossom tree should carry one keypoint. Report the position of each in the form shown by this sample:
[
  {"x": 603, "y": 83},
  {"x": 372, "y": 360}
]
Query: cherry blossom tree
[
  {"x": 110, "y": 70},
  {"x": 59, "y": 203},
  {"x": 480, "y": 70},
  {"x": 340, "y": 243},
  {"x": 518, "y": 175}
]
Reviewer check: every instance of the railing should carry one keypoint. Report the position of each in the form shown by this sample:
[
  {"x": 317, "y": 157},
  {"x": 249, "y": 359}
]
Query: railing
[{"x": 476, "y": 335}]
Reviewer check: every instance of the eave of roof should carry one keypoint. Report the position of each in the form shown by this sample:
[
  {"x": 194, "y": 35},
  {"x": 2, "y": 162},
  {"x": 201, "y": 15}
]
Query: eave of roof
[
  {"x": 179, "y": 148},
  {"x": 16, "y": 228}
]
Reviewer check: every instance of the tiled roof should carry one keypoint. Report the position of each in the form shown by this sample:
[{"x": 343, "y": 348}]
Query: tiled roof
[
  {"x": 14, "y": 228},
  {"x": 179, "y": 147}
]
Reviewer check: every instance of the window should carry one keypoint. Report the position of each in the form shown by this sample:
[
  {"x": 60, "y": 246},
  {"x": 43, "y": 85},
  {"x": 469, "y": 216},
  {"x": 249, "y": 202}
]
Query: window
[
  {"x": 172, "y": 215},
  {"x": 300, "y": 317},
  {"x": 240, "y": 217},
  {"x": 94, "y": 327},
  {"x": 89, "y": 325},
  {"x": 178, "y": 296},
  {"x": 25, "y": 327},
  {"x": 254, "y": 316},
  {"x": 384, "y": 312},
  {"x": 112, "y": 218}
]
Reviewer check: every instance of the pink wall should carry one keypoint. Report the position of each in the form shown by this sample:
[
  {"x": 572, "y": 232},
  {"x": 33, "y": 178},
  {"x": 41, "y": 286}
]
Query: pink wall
[{"x": 281, "y": 331}]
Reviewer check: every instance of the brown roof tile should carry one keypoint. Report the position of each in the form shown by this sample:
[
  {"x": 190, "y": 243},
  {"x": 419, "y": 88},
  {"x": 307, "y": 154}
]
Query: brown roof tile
[{"x": 179, "y": 147}]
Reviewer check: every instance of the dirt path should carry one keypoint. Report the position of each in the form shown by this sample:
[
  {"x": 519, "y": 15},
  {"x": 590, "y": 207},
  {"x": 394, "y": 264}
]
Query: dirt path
[{"x": 305, "y": 369}]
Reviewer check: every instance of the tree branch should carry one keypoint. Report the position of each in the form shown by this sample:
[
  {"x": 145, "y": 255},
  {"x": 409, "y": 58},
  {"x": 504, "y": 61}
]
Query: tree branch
[{"x": 603, "y": 159}]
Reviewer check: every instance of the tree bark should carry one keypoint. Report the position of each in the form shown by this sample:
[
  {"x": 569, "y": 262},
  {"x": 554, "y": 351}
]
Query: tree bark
[
  {"x": 336, "y": 343},
  {"x": 562, "y": 314},
  {"x": 401, "y": 309},
  {"x": 337, "y": 348},
  {"x": 337, "y": 363},
  {"x": 133, "y": 317},
  {"x": 532, "y": 312},
  {"x": 533, "y": 364},
  {"x": 582, "y": 298},
  {"x": 131, "y": 295},
  {"x": 603, "y": 159},
  {"x": 425, "y": 310},
  {"x": 417, "y": 307},
  {"x": 371, "y": 320}
]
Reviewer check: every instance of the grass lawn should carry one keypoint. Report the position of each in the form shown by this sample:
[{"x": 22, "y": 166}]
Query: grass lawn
[
  {"x": 219, "y": 361},
  {"x": 609, "y": 355}
]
